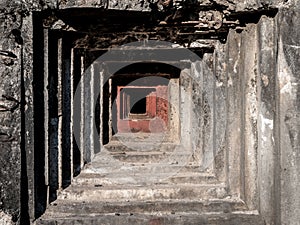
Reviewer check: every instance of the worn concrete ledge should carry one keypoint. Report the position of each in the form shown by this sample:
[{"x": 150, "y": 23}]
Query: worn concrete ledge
[{"x": 161, "y": 219}]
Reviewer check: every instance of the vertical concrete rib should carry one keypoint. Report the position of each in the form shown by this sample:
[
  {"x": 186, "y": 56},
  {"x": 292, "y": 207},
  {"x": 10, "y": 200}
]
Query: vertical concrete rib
[
  {"x": 27, "y": 129},
  {"x": 266, "y": 94},
  {"x": 109, "y": 108},
  {"x": 234, "y": 107},
  {"x": 242, "y": 117},
  {"x": 46, "y": 111},
  {"x": 92, "y": 111},
  {"x": 72, "y": 81},
  {"x": 82, "y": 112},
  {"x": 226, "y": 159},
  {"x": 87, "y": 132},
  {"x": 217, "y": 58},
  {"x": 218, "y": 110},
  {"x": 277, "y": 130},
  {"x": 59, "y": 112},
  {"x": 101, "y": 86},
  {"x": 251, "y": 116}
]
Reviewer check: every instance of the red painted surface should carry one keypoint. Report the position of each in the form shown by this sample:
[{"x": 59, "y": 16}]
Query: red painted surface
[
  {"x": 156, "y": 118},
  {"x": 162, "y": 103},
  {"x": 151, "y": 105}
]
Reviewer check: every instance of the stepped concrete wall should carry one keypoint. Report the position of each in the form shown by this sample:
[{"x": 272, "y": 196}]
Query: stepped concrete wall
[{"x": 264, "y": 57}]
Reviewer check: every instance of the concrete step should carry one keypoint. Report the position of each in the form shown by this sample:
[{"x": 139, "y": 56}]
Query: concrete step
[
  {"x": 148, "y": 157},
  {"x": 92, "y": 193},
  {"x": 108, "y": 162},
  {"x": 126, "y": 146},
  {"x": 69, "y": 208},
  {"x": 103, "y": 167},
  {"x": 107, "y": 170},
  {"x": 132, "y": 177},
  {"x": 142, "y": 137},
  {"x": 236, "y": 218}
]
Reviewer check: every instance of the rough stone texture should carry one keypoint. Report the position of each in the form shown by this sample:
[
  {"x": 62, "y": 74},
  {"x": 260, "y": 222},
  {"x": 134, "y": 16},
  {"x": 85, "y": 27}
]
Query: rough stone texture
[
  {"x": 5, "y": 219},
  {"x": 289, "y": 98},
  {"x": 267, "y": 116},
  {"x": 257, "y": 85},
  {"x": 162, "y": 219},
  {"x": 10, "y": 115},
  {"x": 27, "y": 182},
  {"x": 142, "y": 5}
]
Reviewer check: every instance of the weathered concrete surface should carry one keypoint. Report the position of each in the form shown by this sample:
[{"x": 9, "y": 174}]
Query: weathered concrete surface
[
  {"x": 10, "y": 115},
  {"x": 250, "y": 139},
  {"x": 289, "y": 112},
  {"x": 160, "y": 219},
  {"x": 258, "y": 69},
  {"x": 111, "y": 195},
  {"x": 267, "y": 48}
]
